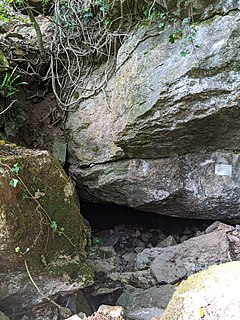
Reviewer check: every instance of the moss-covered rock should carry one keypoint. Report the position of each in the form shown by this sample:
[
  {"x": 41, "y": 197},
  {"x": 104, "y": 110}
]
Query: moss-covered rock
[
  {"x": 40, "y": 215},
  {"x": 210, "y": 295},
  {"x": 41, "y": 228}
]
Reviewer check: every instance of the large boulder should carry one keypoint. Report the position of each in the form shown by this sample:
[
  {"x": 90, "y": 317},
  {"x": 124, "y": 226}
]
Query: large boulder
[
  {"x": 209, "y": 294},
  {"x": 163, "y": 136},
  {"x": 171, "y": 264},
  {"x": 43, "y": 237},
  {"x": 204, "y": 185}
]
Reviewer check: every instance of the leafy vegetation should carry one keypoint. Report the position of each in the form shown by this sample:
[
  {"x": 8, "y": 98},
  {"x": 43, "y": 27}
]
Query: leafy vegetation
[{"x": 10, "y": 85}]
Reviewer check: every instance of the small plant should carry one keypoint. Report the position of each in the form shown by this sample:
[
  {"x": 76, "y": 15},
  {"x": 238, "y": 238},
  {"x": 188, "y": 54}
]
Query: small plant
[
  {"x": 13, "y": 182},
  {"x": 186, "y": 33},
  {"x": 96, "y": 241},
  {"x": 15, "y": 169},
  {"x": 55, "y": 227},
  {"x": 9, "y": 85}
]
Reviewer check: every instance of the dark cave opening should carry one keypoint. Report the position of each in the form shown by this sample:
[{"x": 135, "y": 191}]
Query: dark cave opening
[
  {"x": 102, "y": 216},
  {"x": 109, "y": 222}
]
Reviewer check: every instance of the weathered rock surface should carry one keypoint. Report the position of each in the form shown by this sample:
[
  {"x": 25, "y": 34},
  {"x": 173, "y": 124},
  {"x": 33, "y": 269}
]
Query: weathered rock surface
[
  {"x": 204, "y": 185},
  {"x": 3, "y": 317},
  {"x": 40, "y": 228},
  {"x": 137, "y": 298},
  {"x": 144, "y": 314},
  {"x": 164, "y": 142},
  {"x": 170, "y": 265},
  {"x": 151, "y": 278},
  {"x": 209, "y": 294}
]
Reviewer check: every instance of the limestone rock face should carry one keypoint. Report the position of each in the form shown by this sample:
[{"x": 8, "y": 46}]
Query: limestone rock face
[
  {"x": 204, "y": 185},
  {"x": 209, "y": 294},
  {"x": 40, "y": 228},
  {"x": 161, "y": 136}
]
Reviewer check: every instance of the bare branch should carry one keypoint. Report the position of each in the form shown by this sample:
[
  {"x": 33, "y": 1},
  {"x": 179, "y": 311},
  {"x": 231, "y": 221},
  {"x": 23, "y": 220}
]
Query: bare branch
[{"x": 5, "y": 110}]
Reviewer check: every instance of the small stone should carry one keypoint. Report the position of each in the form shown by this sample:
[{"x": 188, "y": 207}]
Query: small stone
[
  {"x": 212, "y": 227},
  {"x": 129, "y": 257},
  {"x": 198, "y": 233},
  {"x": 111, "y": 311},
  {"x": 167, "y": 272},
  {"x": 169, "y": 241},
  {"x": 82, "y": 316},
  {"x": 74, "y": 317},
  {"x": 139, "y": 243},
  {"x": 3, "y": 317},
  {"x": 137, "y": 233},
  {"x": 138, "y": 249},
  {"x": 146, "y": 236},
  {"x": 100, "y": 266},
  {"x": 233, "y": 238},
  {"x": 142, "y": 261},
  {"x": 183, "y": 238},
  {"x": 144, "y": 314},
  {"x": 225, "y": 227}
]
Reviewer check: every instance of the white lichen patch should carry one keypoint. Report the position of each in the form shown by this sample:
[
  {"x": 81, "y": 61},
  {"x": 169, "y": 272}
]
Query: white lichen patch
[{"x": 68, "y": 191}]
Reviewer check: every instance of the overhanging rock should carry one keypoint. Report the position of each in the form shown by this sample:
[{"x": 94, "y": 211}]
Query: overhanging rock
[
  {"x": 204, "y": 186},
  {"x": 164, "y": 134}
]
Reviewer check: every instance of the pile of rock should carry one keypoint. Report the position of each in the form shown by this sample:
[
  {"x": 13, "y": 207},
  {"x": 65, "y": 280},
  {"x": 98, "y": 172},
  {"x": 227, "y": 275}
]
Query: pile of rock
[{"x": 142, "y": 278}]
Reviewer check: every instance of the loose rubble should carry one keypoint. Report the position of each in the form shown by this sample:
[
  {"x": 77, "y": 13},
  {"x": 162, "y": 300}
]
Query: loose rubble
[{"x": 140, "y": 269}]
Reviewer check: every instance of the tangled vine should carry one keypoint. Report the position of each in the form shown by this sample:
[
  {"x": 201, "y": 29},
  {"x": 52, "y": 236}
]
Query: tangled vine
[{"x": 86, "y": 35}]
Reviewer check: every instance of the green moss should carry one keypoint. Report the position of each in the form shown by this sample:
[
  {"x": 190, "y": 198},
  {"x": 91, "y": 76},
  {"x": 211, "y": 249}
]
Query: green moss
[
  {"x": 28, "y": 223},
  {"x": 76, "y": 271},
  {"x": 21, "y": 227}
]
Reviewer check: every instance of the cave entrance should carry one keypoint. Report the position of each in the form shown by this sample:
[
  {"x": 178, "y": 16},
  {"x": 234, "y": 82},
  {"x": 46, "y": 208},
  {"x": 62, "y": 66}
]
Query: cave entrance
[
  {"x": 119, "y": 234},
  {"x": 102, "y": 216}
]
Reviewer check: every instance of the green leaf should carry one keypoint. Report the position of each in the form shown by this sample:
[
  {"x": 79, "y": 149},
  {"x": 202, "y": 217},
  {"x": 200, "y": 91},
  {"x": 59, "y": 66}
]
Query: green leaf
[
  {"x": 171, "y": 38},
  {"x": 161, "y": 25},
  {"x": 53, "y": 225},
  {"x": 186, "y": 21},
  {"x": 13, "y": 182},
  {"x": 15, "y": 168},
  {"x": 184, "y": 53},
  {"x": 17, "y": 249},
  {"x": 195, "y": 10}
]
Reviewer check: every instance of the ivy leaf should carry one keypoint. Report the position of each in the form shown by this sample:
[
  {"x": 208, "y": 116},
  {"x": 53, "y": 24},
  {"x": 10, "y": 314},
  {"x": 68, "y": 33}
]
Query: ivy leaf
[
  {"x": 184, "y": 53},
  {"x": 195, "y": 10},
  {"x": 186, "y": 21},
  {"x": 53, "y": 225},
  {"x": 15, "y": 168},
  {"x": 13, "y": 182},
  {"x": 161, "y": 25},
  {"x": 171, "y": 38},
  {"x": 17, "y": 249}
]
